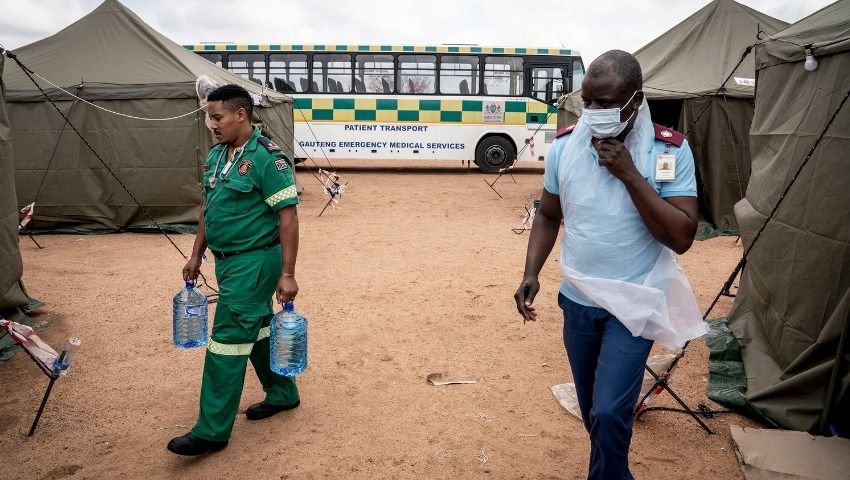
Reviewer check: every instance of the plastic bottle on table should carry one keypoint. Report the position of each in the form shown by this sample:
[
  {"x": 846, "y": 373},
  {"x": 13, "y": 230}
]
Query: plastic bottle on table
[
  {"x": 63, "y": 362},
  {"x": 190, "y": 317},
  {"x": 288, "y": 342}
]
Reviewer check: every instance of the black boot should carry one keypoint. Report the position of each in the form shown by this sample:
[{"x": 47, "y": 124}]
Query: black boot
[
  {"x": 259, "y": 411},
  {"x": 191, "y": 445}
]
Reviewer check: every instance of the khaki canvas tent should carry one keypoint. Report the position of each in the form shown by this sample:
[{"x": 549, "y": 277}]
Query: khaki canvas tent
[
  {"x": 682, "y": 70},
  {"x": 792, "y": 314},
  {"x": 11, "y": 295},
  {"x": 115, "y": 60}
]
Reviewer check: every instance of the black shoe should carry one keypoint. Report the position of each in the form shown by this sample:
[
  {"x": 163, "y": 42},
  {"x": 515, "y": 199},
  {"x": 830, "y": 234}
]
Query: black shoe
[
  {"x": 259, "y": 411},
  {"x": 191, "y": 445}
]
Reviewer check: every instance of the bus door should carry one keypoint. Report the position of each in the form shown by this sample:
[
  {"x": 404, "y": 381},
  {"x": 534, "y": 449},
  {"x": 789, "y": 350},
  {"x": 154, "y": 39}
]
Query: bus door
[{"x": 547, "y": 83}]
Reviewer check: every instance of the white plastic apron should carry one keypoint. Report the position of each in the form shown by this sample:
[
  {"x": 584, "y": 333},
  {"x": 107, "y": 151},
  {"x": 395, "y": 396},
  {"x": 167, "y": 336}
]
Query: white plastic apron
[{"x": 605, "y": 237}]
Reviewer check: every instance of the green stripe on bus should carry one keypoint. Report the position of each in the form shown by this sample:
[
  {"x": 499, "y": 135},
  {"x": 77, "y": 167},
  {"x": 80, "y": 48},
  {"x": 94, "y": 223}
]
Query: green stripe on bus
[
  {"x": 475, "y": 49},
  {"x": 451, "y": 116},
  {"x": 429, "y": 105},
  {"x": 363, "y": 48},
  {"x": 535, "y": 117},
  {"x": 341, "y": 48},
  {"x": 471, "y": 105},
  {"x": 364, "y": 115},
  {"x": 513, "y": 106},
  {"x": 343, "y": 104},
  {"x": 408, "y": 116},
  {"x": 498, "y": 50},
  {"x": 386, "y": 104},
  {"x": 304, "y": 103},
  {"x": 209, "y": 47},
  {"x": 230, "y": 47},
  {"x": 407, "y": 48},
  {"x": 386, "y": 48},
  {"x": 323, "y": 114},
  {"x": 319, "y": 48},
  {"x": 519, "y": 50},
  {"x": 298, "y": 47},
  {"x": 275, "y": 46},
  {"x": 454, "y": 49},
  {"x": 253, "y": 47},
  {"x": 430, "y": 49}
]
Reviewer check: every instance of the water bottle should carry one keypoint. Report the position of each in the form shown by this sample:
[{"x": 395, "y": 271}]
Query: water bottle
[
  {"x": 288, "y": 341},
  {"x": 190, "y": 317},
  {"x": 63, "y": 361}
]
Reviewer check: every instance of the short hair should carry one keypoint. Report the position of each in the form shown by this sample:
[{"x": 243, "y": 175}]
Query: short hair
[
  {"x": 233, "y": 97},
  {"x": 620, "y": 63}
]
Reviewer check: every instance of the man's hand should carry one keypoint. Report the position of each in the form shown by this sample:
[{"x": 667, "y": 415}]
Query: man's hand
[
  {"x": 192, "y": 269},
  {"x": 524, "y": 297},
  {"x": 614, "y": 156},
  {"x": 287, "y": 289}
]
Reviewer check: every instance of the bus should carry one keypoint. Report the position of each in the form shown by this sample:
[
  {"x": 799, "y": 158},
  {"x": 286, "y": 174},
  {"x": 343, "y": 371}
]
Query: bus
[{"x": 489, "y": 105}]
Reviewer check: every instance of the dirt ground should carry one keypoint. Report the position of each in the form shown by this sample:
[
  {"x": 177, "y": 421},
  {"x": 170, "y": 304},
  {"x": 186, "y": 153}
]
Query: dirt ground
[{"x": 414, "y": 274}]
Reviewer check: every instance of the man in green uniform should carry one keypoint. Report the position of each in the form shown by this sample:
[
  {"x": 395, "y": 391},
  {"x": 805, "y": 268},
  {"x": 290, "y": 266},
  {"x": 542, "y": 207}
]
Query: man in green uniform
[{"x": 250, "y": 224}]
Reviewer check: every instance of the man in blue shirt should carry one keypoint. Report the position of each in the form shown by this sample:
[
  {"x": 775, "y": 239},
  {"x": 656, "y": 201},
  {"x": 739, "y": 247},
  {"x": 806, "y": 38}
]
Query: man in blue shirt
[{"x": 626, "y": 192}]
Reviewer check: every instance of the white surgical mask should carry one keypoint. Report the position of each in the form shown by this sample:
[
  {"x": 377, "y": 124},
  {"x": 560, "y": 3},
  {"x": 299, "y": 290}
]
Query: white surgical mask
[{"x": 605, "y": 122}]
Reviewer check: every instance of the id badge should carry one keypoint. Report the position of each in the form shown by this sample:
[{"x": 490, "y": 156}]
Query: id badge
[{"x": 665, "y": 167}]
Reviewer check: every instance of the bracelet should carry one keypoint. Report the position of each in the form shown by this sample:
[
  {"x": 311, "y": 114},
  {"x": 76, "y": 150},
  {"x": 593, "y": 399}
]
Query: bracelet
[{"x": 288, "y": 274}]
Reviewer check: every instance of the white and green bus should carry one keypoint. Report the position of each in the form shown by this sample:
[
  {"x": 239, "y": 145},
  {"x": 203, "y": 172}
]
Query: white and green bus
[{"x": 450, "y": 102}]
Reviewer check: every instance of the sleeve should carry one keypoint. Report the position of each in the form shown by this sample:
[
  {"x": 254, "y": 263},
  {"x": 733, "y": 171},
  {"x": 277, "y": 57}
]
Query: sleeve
[
  {"x": 550, "y": 173},
  {"x": 277, "y": 182},
  {"x": 685, "y": 184}
]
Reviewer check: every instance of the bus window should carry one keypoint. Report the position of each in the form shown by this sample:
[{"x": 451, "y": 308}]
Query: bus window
[
  {"x": 212, "y": 57},
  {"x": 547, "y": 83},
  {"x": 332, "y": 73},
  {"x": 288, "y": 72},
  {"x": 249, "y": 65},
  {"x": 459, "y": 74},
  {"x": 578, "y": 74},
  {"x": 417, "y": 73},
  {"x": 374, "y": 74},
  {"x": 502, "y": 76}
]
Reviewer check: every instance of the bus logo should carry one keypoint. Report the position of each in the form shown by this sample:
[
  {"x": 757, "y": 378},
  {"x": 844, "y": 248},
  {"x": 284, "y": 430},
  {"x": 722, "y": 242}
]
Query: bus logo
[{"x": 494, "y": 112}]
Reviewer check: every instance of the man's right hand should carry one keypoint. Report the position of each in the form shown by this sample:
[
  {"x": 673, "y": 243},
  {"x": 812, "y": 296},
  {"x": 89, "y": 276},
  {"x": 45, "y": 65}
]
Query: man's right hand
[
  {"x": 192, "y": 269},
  {"x": 524, "y": 297}
]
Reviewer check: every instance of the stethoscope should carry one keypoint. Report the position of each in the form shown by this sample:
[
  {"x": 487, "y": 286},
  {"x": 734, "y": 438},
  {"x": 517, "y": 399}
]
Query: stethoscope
[{"x": 216, "y": 175}]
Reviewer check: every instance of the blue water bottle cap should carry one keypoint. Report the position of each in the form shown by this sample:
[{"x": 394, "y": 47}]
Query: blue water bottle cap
[
  {"x": 288, "y": 306},
  {"x": 190, "y": 284}
]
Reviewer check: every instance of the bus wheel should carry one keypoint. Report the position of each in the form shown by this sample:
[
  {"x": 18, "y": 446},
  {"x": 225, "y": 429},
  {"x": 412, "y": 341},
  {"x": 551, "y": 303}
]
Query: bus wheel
[{"x": 494, "y": 153}]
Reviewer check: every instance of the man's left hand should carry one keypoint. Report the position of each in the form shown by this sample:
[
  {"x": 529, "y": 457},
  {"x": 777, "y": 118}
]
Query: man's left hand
[
  {"x": 287, "y": 289},
  {"x": 614, "y": 156}
]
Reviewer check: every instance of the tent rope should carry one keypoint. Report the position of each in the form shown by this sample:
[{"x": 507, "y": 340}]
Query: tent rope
[
  {"x": 66, "y": 92},
  {"x": 720, "y": 88},
  {"x": 144, "y": 210}
]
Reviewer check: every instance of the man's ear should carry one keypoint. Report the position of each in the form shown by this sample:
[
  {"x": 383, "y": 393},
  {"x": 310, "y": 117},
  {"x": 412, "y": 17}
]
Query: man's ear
[{"x": 638, "y": 99}]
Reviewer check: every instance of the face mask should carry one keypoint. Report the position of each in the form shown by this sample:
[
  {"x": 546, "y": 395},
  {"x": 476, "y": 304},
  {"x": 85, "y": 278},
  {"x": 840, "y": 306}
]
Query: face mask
[{"x": 605, "y": 122}]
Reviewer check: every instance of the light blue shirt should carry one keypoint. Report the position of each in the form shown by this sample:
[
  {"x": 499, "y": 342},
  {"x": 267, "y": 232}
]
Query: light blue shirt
[{"x": 618, "y": 246}]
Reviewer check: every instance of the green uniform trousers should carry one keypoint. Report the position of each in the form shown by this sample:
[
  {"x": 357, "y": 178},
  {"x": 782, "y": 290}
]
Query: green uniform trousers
[{"x": 240, "y": 331}]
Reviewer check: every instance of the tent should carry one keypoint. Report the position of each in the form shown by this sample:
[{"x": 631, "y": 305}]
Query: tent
[
  {"x": 12, "y": 294},
  {"x": 112, "y": 58},
  {"x": 682, "y": 70},
  {"x": 792, "y": 314}
]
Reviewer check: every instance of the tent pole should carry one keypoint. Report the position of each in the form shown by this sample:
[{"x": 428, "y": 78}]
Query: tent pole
[{"x": 833, "y": 380}]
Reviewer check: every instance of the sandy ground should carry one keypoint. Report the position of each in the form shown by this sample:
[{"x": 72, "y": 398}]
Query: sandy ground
[{"x": 414, "y": 274}]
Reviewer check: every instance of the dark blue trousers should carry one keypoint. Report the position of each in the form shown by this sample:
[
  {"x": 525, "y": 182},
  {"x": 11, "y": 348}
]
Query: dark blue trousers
[{"x": 607, "y": 364}]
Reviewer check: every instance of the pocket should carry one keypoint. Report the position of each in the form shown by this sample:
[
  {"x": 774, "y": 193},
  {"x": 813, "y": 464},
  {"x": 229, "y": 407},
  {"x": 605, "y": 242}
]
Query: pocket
[{"x": 239, "y": 195}]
